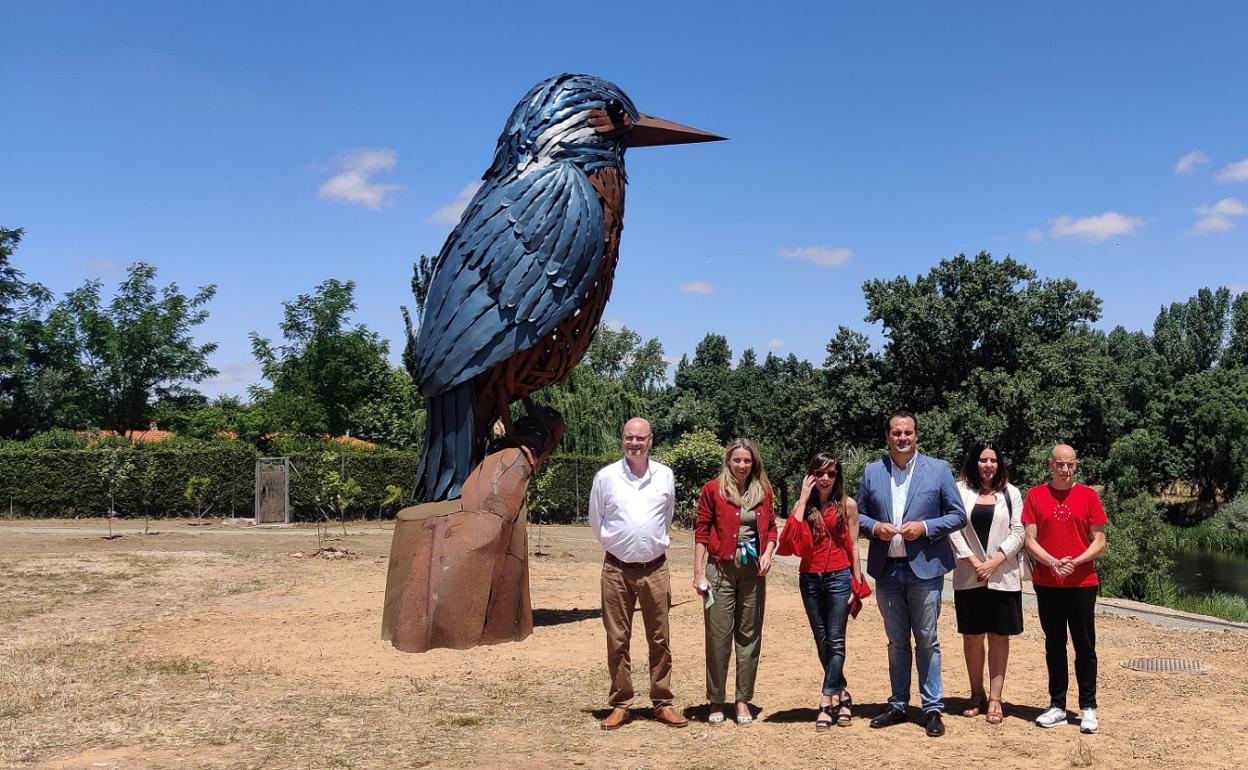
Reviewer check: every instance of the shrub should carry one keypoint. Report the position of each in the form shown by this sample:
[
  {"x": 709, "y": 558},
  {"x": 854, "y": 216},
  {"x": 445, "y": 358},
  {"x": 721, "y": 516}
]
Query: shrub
[
  {"x": 560, "y": 492},
  {"x": 1139, "y": 554},
  {"x": 58, "y": 438},
  {"x": 695, "y": 459},
  {"x": 1234, "y": 515}
]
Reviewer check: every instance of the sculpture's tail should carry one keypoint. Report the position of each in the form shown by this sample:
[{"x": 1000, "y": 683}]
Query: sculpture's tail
[{"x": 449, "y": 450}]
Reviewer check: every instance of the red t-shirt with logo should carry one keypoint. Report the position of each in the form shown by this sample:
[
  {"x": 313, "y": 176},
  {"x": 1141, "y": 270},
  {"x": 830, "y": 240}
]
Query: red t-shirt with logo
[{"x": 1064, "y": 521}]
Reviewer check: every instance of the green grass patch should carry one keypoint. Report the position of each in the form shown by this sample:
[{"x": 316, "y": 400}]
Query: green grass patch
[
  {"x": 1208, "y": 536},
  {"x": 1217, "y": 604}
]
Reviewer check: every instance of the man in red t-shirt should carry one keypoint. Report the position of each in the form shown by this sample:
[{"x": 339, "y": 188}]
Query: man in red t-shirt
[{"x": 1065, "y": 527}]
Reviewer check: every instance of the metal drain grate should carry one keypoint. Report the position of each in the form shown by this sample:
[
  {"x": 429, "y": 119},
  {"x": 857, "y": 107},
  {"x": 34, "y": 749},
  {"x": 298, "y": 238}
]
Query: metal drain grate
[{"x": 1166, "y": 665}]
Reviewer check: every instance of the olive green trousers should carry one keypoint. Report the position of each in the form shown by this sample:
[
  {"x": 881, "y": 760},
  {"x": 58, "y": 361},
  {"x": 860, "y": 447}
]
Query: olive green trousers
[{"x": 734, "y": 621}]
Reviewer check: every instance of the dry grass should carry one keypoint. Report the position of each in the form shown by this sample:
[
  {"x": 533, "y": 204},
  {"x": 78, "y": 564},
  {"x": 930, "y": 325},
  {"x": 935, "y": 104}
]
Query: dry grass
[
  {"x": 65, "y": 691},
  {"x": 221, "y": 657}
]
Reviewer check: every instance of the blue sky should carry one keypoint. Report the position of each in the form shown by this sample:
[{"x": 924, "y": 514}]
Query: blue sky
[{"x": 268, "y": 146}]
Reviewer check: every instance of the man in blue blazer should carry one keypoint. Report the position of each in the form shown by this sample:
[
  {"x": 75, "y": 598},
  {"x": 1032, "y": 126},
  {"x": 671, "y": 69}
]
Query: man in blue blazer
[{"x": 908, "y": 505}]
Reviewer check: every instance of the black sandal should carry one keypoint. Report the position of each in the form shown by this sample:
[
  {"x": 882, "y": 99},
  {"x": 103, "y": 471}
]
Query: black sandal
[
  {"x": 844, "y": 712},
  {"x": 824, "y": 711}
]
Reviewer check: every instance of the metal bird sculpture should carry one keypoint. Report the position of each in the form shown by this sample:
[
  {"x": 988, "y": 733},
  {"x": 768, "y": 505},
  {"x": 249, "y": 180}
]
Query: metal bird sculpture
[{"x": 519, "y": 287}]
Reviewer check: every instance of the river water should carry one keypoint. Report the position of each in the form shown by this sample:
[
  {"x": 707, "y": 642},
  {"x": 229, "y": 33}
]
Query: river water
[{"x": 1200, "y": 572}]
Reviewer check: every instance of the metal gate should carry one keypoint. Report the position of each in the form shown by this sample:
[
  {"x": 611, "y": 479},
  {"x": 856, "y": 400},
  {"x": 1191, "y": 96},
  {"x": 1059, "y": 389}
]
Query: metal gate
[{"x": 273, "y": 490}]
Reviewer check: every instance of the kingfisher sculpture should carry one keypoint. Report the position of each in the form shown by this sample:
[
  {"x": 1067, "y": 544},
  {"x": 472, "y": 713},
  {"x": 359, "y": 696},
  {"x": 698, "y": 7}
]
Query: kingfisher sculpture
[
  {"x": 520, "y": 285},
  {"x": 515, "y": 296}
]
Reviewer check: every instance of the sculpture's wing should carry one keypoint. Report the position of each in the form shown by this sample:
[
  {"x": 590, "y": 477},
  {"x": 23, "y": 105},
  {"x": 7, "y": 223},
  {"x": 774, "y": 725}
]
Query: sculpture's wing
[{"x": 520, "y": 261}]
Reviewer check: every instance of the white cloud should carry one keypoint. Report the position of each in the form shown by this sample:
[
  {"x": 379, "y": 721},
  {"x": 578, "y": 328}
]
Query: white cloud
[
  {"x": 351, "y": 184},
  {"x": 671, "y": 360},
  {"x": 820, "y": 255},
  {"x": 1035, "y": 234},
  {"x": 1234, "y": 172},
  {"x": 102, "y": 265},
  {"x": 1237, "y": 288},
  {"x": 1217, "y": 218},
  {"x": 1094, "y": 228},
  {"x": 451, "y": 212},
  {"x": 614, "y": 324},
  {"x": 1188, "y": 163},
  {"x": 775, "y": 344},
  {"x": 697, "y": 287}
]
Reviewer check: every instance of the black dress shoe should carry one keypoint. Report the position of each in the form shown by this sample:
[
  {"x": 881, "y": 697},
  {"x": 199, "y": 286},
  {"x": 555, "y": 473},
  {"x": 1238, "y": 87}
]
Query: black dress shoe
[
  {"x": 935, "y": 725},
  {"x": 888, "y": 717}
]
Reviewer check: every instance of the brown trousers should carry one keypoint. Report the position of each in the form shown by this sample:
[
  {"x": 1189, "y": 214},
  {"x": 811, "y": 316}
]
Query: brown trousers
[{"x": 623, "y": 588}]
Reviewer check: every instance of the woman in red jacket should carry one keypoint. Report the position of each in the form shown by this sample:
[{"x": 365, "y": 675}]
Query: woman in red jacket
[
  {"x": 734, "y": 539},
  {"x": 823, "y": 531}
]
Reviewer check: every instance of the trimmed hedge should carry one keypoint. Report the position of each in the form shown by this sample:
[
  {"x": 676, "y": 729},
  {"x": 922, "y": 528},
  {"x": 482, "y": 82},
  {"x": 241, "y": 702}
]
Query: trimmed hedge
[
  {"x": 66, "y": 483},
  {"x": 373, "y": 471},
  {"x": 560, "y": 492}
]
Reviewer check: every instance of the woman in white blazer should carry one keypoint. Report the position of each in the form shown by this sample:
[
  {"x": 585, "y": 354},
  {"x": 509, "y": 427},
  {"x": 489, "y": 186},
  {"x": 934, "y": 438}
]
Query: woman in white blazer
[{"x": 987, "y": 581}]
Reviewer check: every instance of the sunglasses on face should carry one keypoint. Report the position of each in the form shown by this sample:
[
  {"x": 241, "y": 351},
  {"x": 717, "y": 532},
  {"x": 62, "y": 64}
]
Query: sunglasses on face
[{"x": 822, "y": 474}]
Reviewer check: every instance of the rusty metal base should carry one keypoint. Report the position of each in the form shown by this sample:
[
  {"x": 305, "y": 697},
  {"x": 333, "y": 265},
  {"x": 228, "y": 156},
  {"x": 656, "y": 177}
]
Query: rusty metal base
[{"x": 459, "y": 571}]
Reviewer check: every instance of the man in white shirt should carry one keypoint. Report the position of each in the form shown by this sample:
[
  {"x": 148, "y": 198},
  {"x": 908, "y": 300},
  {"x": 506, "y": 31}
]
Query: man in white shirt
[{"x": 630, "y": 511}]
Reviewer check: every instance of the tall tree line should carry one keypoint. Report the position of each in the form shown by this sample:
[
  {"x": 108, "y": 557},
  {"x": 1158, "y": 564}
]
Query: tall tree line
[{"x": 977, "y": 347}]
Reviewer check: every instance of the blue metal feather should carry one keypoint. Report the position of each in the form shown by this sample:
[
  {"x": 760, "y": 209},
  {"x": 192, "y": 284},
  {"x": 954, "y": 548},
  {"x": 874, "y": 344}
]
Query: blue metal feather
[{"x": 522, "y": 259}]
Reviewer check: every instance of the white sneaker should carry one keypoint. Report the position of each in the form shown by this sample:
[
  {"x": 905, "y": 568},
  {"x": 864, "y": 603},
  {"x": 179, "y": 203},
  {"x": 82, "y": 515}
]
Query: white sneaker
[
  {"x": 1087, "y": 721},
  {"x": 1053, "y": 717}
]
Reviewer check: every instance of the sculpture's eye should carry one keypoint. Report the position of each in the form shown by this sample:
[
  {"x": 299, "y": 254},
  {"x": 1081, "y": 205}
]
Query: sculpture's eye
[{"x": 615, "y": 108}]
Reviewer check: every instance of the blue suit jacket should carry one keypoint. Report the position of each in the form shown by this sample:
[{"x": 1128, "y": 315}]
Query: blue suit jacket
[{"x": 932, "y": 499}]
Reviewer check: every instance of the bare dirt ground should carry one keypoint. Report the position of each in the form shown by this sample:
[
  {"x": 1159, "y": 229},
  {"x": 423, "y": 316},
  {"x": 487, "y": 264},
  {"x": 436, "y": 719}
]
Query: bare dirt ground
[{"x": 219, "y": 647}]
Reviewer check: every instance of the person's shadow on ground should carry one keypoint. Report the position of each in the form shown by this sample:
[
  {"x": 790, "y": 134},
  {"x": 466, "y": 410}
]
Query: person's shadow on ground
[{"x": 544, "y": 617}]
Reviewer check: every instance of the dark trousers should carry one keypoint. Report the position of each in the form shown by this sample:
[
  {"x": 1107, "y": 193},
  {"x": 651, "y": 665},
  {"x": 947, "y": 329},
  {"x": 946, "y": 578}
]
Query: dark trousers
[
  {"x": 1074, "y": 609},
  {"x": 825, "y": 595}
]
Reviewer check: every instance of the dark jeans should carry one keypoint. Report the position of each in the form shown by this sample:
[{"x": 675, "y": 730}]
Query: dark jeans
[
  {"x": 1073, "y": 608},
  {"x": 826, "y": 598}
]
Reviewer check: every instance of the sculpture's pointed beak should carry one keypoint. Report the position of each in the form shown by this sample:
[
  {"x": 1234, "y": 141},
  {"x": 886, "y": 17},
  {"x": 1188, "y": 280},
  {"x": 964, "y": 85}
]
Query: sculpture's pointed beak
[{"x": 650, "y": 131}]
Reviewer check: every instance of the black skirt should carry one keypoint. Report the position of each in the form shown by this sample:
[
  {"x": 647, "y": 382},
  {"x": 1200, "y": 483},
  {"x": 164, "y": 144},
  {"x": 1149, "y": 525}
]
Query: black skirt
[{"x": 985, "y": 611}]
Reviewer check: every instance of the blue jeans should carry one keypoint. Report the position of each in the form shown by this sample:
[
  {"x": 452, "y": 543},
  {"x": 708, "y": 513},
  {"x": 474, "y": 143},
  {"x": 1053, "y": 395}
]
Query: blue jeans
[
  {"x": 826, "y": 598},
  {"x": 911, "y": 605}
]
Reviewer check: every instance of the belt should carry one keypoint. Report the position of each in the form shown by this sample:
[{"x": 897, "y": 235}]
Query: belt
[
  {"x": 897, "y": 560},
  {"x": 611, "y": 559}
]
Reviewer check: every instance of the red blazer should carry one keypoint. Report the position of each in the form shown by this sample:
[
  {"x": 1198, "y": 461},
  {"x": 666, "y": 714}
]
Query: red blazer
[{"x": 719, "y": 520}]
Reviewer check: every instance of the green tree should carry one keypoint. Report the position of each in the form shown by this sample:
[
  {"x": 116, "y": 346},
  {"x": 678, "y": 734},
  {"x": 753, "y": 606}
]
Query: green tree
[
  {"x": 394, "y": 416},
  {"x": 856, "y": 388},
  {"x": 422, "y": 275},
  {"x": 1205, "y": 417},
  {"x": 325, "y": 360},
  {"x": 39, "y": 376},
  {"x": 1236, "y": 352},
  {"x": 967, "y": 314},
  {"x": 137, "y": 348},
  {"x": 197, "y": 493},
  {"x": 335, "y": 492},
  {"x": 116, "y": 468},
  {"x": 1190, "y": 335}
]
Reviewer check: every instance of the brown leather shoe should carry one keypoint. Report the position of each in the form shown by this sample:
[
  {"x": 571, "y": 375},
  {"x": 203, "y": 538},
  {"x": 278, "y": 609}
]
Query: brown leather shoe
[
  {"x": 669, "y": 716},
  {"x": 618, "y": 717}
]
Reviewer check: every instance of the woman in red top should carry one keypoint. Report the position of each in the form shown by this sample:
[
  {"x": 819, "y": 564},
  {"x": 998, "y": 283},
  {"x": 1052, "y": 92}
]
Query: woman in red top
[
  {"x": 736, "y": 529},
  {"x": 822, "y": 530}
]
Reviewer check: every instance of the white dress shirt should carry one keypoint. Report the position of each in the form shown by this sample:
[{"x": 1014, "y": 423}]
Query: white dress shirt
[
  {"x": 901, "y": 488},
  {"x": 630, "y": 515}
]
